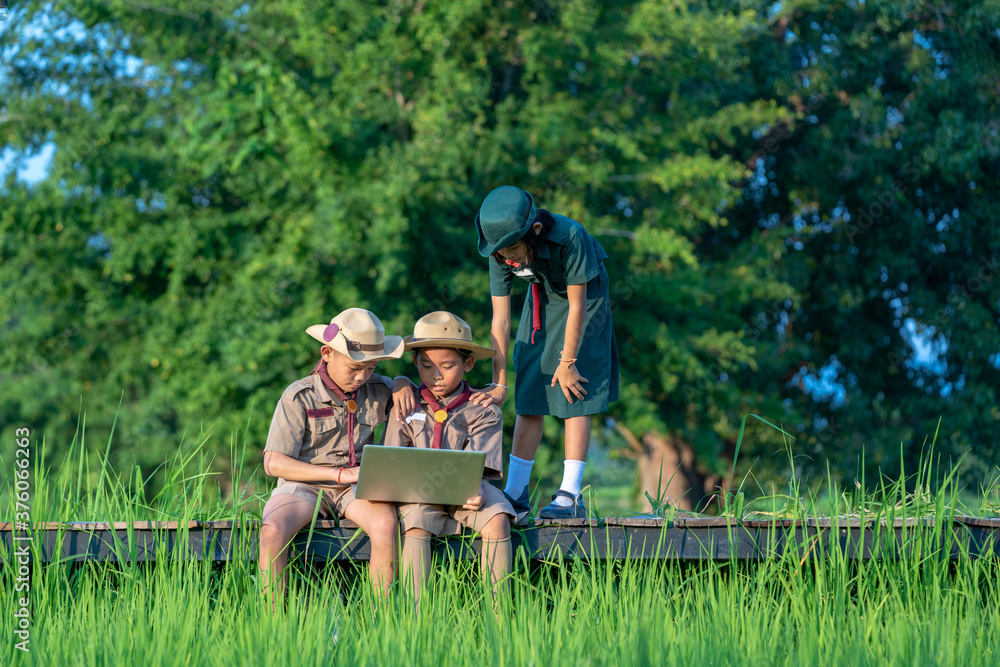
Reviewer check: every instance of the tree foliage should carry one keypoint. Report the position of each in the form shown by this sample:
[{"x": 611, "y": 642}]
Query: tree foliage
[
  {"x": 888, "y": 182},
  {"x": 227, "y": 174}
]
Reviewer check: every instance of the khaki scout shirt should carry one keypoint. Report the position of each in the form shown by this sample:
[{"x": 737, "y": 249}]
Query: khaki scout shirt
[
  {"x": 469, "y": 426},
  {"x": 310, "y": 422}
]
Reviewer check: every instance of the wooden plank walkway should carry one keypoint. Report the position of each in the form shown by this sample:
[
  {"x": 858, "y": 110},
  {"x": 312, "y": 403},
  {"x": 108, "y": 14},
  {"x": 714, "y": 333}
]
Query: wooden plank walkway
[{"x": 640, "y": 537}]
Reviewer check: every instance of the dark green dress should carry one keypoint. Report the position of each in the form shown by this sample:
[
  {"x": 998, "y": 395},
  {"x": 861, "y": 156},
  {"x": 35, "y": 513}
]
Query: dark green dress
[{"x": 567, "y": 256}]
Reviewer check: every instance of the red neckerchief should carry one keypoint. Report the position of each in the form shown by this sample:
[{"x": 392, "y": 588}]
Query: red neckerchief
[
  {"x": 441, "y": 414},
  {"x": 349, "y": 403},
  {"x": 536, "y": 304}
]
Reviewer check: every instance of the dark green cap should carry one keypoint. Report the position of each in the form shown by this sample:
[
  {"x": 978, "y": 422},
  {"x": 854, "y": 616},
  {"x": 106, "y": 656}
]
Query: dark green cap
[{"x": 504, "y": 218}]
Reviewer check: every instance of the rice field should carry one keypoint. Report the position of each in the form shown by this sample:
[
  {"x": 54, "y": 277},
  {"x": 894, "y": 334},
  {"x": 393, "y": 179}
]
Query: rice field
[{"x": 796, "y": 610}]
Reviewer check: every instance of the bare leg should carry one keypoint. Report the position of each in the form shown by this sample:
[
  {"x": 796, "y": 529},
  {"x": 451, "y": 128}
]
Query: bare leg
[
  {"x": 379, "y": 522},
  {"x": 497, "y": 528},
  {"x": 577, "y": 437},
  {"x": 527, "y": 435},
  {"x": 284, "y": 516}
]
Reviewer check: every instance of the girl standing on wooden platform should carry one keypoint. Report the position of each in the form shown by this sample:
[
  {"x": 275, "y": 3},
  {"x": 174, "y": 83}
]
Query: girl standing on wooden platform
[{"x": 565, "y": 353}]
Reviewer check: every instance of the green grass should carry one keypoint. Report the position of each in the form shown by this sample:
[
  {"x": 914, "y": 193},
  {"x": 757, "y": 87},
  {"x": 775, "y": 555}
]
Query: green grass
[
  {"x": 828, "y": 611},
  {"x": 808, "y": 607}
]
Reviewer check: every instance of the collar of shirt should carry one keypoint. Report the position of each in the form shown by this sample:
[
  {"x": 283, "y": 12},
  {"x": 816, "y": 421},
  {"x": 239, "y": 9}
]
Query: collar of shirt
[
  {"x": 447, "y": 399},
  {"x": 327, "y": 396}
]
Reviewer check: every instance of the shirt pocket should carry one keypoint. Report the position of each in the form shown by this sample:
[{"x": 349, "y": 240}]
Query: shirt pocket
[
  {"x": 322, "y": 420},
  {"x": 368, "y": 420},
  {"x": 327, "y": 430},
  {"x": 556, "y": 279},
  {"x": 369, "y": 417},
  {"x": 459, "y": 438},
  {"x": 423, "y": 432}
]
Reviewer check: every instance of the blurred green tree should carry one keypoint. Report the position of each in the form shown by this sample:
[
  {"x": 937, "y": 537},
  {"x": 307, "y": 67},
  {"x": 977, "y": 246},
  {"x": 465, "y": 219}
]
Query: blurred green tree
[
  {"x": 888, "y": 183},
  {"x": 227, "y": 174}
]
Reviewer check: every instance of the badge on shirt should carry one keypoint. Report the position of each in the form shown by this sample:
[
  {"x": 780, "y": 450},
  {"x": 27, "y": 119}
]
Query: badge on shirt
[
  {"x": 419, "y": 416},
  {"x": 523, "y": 273}
]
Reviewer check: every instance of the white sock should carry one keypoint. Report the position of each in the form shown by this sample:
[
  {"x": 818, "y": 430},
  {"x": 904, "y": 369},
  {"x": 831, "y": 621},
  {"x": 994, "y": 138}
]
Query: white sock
[
  {"x": 518, "y": 474},
  {"x": 572, "y": 481}
]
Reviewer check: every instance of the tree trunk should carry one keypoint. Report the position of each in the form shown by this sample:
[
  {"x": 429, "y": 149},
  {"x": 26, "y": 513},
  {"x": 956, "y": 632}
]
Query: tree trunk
[{"x": 668, "y": 471}]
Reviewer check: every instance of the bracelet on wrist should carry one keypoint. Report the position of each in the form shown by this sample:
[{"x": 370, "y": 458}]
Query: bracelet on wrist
[
  {"x": 497, "y": 384},
  {"x": 340, "y": 471},
  {"x": 566, "y": 360}
]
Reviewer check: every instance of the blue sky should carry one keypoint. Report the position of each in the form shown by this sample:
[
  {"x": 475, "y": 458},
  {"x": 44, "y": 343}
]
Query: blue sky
[{"x": 33, "y": 168}]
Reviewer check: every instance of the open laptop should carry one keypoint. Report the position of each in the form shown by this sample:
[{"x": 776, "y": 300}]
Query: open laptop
[{"x": 417, "y": 475}]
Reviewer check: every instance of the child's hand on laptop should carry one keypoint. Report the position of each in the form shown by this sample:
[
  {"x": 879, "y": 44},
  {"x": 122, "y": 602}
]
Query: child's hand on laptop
[{"x": 474, "y": 504}]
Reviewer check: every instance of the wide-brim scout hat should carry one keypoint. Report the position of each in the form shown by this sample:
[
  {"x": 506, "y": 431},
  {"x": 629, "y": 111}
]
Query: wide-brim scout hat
[
  {"x": 504, "y": 218},
  {"x": 358, "y": 334},
  {"x": 443, "y": 329}
]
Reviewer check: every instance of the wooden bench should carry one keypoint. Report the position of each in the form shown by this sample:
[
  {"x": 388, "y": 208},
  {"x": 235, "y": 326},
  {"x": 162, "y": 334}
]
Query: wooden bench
[{"x": 638, "y": 537}]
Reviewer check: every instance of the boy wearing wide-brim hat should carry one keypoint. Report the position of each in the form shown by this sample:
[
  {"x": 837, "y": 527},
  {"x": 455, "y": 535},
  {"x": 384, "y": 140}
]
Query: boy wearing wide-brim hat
[
  {"x": 318, "y": 433},
  {"x": 443, "y": 352}
]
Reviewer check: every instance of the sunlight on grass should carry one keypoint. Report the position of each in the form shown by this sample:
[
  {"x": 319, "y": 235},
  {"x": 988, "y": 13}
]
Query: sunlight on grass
[{"x": 811, "y": 605}]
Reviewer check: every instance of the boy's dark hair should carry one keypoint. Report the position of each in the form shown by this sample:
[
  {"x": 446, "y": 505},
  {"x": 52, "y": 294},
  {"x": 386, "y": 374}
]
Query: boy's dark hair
[{"x": 531, "y": 239}]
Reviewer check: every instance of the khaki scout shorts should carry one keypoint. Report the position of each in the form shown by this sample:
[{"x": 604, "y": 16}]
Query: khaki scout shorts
[
  {"x": 335, "y": 498},
  {"x": 449, "y": 520}
]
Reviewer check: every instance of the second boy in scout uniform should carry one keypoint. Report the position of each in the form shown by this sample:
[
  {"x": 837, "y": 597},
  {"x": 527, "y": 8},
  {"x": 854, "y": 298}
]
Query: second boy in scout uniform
[{"x": 443, "y": 352}]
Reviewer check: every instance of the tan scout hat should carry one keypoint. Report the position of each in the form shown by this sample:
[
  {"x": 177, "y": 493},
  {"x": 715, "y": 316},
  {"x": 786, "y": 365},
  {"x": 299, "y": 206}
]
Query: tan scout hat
[
  {"x": 357, "y": 333},
  {"x": 443, "y": 329}
]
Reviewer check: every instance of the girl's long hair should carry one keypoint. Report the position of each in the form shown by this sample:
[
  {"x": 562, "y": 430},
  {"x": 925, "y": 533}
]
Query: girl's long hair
[{"x": 532, "y": 239}]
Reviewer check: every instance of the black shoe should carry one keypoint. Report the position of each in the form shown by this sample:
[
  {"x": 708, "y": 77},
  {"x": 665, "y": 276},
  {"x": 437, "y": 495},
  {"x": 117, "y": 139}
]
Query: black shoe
[
  {"x": 521, "y": 505},
  {"x": 575, "y": 511}
]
